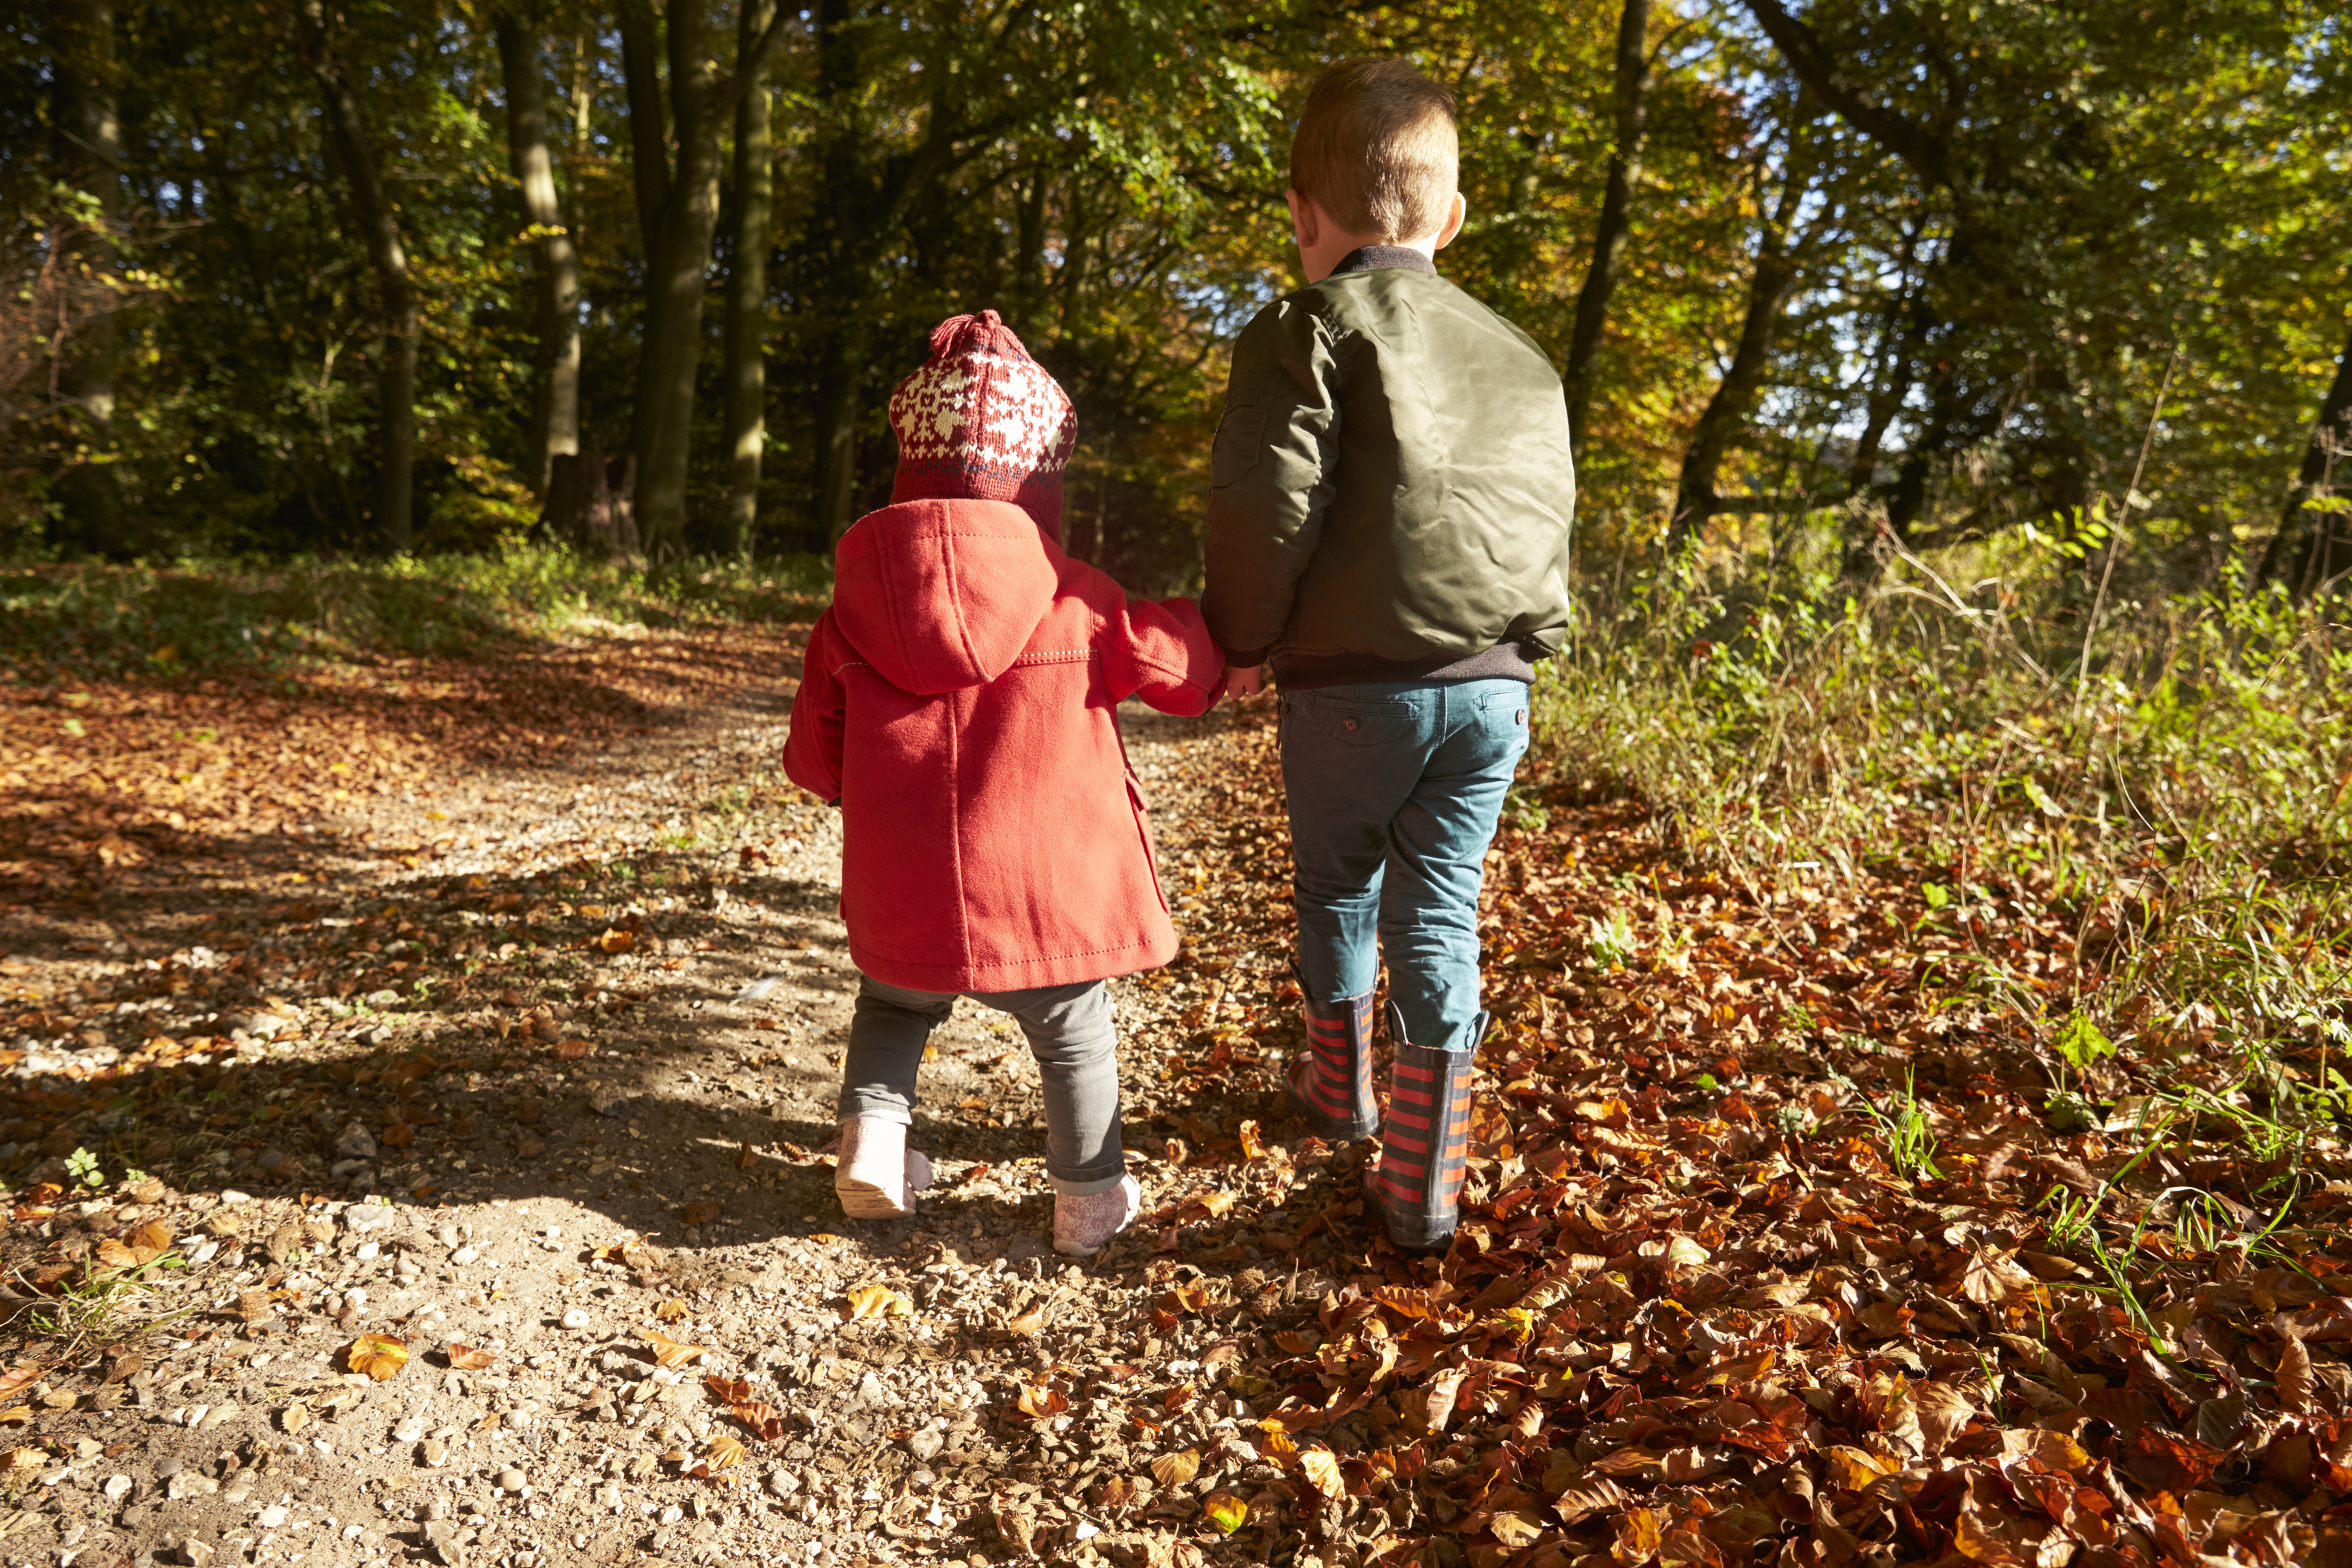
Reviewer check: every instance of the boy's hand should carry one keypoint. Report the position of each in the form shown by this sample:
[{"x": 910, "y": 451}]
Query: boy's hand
[{"x": 1243, "y": 680}]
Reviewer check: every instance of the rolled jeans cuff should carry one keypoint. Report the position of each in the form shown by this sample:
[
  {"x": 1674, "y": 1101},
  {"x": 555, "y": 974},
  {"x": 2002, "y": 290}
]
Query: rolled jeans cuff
[{"x": 878, "y": 1104}]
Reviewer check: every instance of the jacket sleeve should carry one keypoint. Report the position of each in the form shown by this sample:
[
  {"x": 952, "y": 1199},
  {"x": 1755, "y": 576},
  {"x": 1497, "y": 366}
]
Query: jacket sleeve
[
  {"x": 1158, "y": 649},
  {"x": 812, "y": 747},
  {"x": 1271, "y": 476}
]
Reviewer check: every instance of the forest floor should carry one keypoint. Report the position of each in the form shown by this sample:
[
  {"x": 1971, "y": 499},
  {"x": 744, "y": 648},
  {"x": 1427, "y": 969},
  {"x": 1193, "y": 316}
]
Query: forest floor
[{"x": 420, "y": 1077}]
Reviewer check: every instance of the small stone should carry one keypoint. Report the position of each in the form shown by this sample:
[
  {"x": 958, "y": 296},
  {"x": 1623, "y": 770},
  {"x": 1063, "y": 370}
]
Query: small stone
[
  {"x": 188, "y": 1484},
  {"x": 198, "y": 1553},
  {"x": 294, "y": 1417},
  {"x": 672, "y": 1514},
  {"x": 511, "y": 1479},
  {"x": 410, "y": 1429},
  {"x": 89, "y": 1448},
  {"x": 432, "y": 1453},
  {"x": 166, "y": 1468},
  {"x": 465, "y": 1254},
  {"x": 925, "y": 1444},
  {"x": 871, "y": 1393},
  {"x": 355, "y": 1142},
  {"x": 782, "y": 1482},
  {"x": 272, "y": 1517},
  {"x": 440, "y": 1532},
  {"x": 369, "y": 1252},
  {"x": 116, "y": 1487},
  {"x": 575, "y": 1318}
]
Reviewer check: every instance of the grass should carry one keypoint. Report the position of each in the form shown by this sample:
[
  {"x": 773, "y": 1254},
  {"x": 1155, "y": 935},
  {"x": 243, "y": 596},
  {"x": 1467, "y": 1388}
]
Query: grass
[
  {"x": 161, "y": 619},
  {"x": 2189, "y": 803},
  {"x": 2174, "y": 784}
]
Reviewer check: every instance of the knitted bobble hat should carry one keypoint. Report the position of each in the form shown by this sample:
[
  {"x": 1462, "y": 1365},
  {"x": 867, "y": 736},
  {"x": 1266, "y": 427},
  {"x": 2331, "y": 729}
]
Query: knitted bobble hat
[{"x": 982, "y": 421}]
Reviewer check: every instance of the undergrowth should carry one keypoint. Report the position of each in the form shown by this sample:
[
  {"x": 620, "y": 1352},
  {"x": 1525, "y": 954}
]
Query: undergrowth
[
  {"x": 2177, "y": 788},
  {"x": 104, "y": 620}
]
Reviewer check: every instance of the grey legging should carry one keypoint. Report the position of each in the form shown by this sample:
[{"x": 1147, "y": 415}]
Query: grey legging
[{"x": 1069, "y": 1029}]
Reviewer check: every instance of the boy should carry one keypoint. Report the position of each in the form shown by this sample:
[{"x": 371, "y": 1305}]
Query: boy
[
  {"x": 959, "y": 702},
  {"x": 1388, "y": 523}
]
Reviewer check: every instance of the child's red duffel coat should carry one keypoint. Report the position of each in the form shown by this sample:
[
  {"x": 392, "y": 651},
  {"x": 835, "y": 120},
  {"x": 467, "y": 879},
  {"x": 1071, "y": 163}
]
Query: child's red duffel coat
[{"x": 960, "y": 701}]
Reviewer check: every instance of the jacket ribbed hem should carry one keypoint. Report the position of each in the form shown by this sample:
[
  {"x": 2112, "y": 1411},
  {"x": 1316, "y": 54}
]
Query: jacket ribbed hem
[{"x": 1304, "y": 672}]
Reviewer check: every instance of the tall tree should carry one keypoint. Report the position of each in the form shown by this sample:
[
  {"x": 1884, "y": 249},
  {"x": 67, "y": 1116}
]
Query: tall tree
[
  {"x": 1778, "y": 255},
  {"x": 2312, "y": 543},
  {"x": 747, "y": 303},
  {"x": 677, "y": 259},
  {"x": 555, "y": 396},
  {"x": 1632, "y": 98},
  {"x": 379, "y": 225},
  {"x": 87, "y": 134}
]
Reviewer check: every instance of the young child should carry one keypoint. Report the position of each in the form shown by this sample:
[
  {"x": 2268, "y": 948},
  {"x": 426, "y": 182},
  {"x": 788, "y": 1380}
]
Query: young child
[
  {"x": 1389, "y": 522},
  {"x": 958, "y": 702}
]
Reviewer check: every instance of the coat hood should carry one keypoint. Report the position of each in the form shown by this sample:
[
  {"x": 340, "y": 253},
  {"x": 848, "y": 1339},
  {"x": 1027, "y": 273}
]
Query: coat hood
[{"x": 938, "y": 595}]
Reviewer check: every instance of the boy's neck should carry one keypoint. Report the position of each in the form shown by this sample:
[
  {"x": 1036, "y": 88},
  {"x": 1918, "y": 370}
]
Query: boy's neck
[{"x": 1323, "y": 245}]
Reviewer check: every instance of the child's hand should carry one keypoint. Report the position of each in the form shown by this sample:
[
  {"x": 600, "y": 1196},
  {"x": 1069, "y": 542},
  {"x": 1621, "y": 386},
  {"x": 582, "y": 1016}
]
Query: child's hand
[{"x": 1243, "y": 680}]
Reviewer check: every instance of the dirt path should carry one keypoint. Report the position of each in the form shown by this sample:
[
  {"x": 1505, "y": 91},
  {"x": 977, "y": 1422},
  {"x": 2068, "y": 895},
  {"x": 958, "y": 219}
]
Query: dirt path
[{"x": 533, "y": 1073}]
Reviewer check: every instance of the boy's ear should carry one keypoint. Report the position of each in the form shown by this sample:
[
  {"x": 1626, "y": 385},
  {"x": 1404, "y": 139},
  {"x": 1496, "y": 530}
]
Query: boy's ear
[
  {"x": 1305, "y": 218},
  {"x": 1459, "y": 210}
]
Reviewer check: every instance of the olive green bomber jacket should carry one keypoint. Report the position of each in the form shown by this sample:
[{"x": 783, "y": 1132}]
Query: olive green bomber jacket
[{"x": 1390, "y": 488}]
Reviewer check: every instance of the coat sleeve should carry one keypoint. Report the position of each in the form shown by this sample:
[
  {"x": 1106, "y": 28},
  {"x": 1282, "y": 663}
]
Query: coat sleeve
[
  {"x": 1158, "y": 649},
  {"x": 812, "y": 746},
  {"x": 1272, "y": 476}
]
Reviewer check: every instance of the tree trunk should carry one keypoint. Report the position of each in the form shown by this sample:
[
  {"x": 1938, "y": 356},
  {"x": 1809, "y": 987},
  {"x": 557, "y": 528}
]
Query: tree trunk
[
  {"x": 677, "y": 269},
  {"x": 1616, "y": 216},
  {"x": 1727, "y": 411},
  {"x": 555, "y": 401},
  {"x": 747, "y": 304},
  {"x": 2311, "y": 546},
  {"x": 648, "y": 132},
  {"x": 373, "y": 214},
  {"x": 88, "y": 153}
]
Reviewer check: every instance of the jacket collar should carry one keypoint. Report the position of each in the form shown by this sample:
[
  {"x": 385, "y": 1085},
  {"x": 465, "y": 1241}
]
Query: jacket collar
[{"x": 1376, "y": 257}]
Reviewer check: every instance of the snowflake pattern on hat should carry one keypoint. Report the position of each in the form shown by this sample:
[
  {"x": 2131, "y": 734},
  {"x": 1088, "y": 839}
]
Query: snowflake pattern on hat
[{"x": 981, "y": 420}]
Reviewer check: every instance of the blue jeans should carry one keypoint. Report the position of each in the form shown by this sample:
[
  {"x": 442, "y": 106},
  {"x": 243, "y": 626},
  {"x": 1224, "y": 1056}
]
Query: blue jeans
[{"x": 1395, "y": 788}]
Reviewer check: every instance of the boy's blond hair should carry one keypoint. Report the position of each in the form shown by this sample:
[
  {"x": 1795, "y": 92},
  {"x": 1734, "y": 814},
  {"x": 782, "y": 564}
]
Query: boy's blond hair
[{"x": 1377, "y": 149}]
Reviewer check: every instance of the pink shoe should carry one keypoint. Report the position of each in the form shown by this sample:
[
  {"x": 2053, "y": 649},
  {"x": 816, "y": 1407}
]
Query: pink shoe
[
  {"x": 876, "y": 1176},
  {"x": 1083, "y": 1225}
]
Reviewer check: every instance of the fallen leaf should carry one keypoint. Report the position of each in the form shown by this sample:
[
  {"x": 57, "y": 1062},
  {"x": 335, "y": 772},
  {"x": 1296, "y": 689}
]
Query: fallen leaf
[
  {"x": 700, "y": 1213},
  {"x": 670, "y": 1353},
  {"x": 673, "y": 1311},
  {"x": 1028, "y": 1325},
  {"x": 612, "y": 941},
  {"x": 466, "y": 1358},
  {"x": 879, "y": 1300},
  {"x": 380, "y": 1356},
  {"x": 1176, "y": 1470},
  {"x": 569, "y": 1051},
  {"x": 1039, "y": 1401},
  {"x": 1321, "y": 1469},
  {"x": 1224, "y": 1510}
]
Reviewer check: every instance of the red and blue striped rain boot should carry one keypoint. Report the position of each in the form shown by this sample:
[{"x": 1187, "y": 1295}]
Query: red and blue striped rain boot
[
  {"x": 1417, "y": 1185},
  {"x": 1331, "y": 1080}
]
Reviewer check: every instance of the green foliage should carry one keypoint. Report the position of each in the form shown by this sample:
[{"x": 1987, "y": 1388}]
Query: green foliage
[
  {"x": 2081, "y": 1044},
  {"x": 1610, "y": 942},
  {"x": 82, "y": 1166}
]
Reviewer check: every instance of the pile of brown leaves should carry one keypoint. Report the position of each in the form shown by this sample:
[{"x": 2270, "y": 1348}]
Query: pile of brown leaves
[{"x": 1696, "y": 1313}]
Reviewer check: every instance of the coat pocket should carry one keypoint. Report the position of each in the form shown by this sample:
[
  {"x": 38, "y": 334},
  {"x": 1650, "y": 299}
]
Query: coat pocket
[{"x": 1143, "y": 831}]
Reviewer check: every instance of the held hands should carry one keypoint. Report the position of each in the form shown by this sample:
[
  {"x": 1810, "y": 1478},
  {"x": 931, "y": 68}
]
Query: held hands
[{"x": 1243, "y": 680}]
